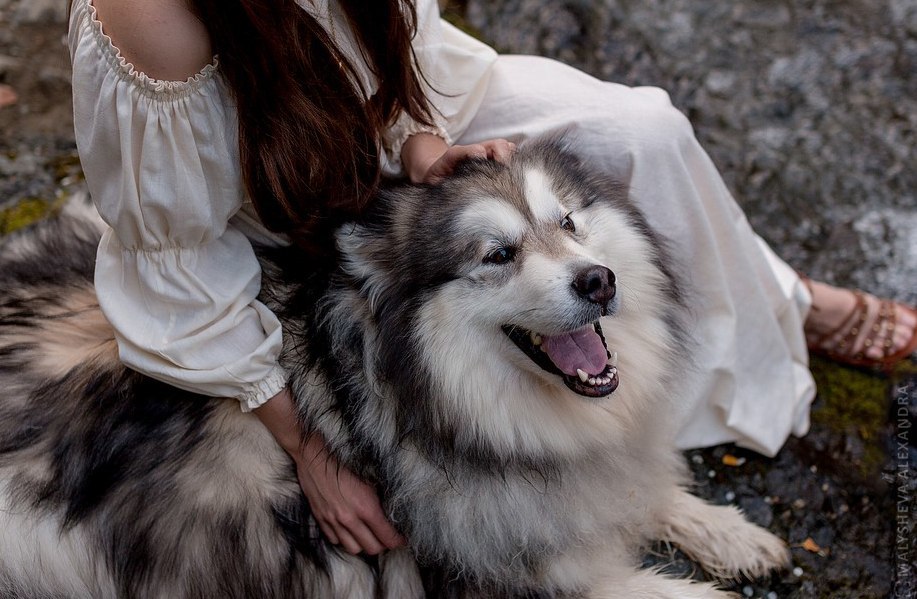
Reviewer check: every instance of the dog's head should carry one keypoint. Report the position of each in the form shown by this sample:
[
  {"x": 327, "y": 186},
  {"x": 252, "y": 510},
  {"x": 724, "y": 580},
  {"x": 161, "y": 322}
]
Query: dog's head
[{"x": 522, "y": 304}]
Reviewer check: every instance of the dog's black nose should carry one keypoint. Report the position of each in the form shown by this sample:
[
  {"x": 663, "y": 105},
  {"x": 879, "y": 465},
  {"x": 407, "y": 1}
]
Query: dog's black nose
[{"x": 595, "y": 284}]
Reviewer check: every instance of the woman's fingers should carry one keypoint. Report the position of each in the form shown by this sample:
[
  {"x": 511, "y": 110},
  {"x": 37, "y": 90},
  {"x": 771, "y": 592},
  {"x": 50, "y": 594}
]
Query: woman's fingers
[
  {"x": 346, "y": 508},
  {"x": 499, "y": 150},
  {"x": 348, "y": 542},
  {"x": 381, "y": 529},
  {"x": 359, "y": 529}
]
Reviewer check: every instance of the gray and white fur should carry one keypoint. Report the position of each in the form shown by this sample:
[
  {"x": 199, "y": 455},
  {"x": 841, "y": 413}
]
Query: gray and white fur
[{"x": 508, "y": 477}]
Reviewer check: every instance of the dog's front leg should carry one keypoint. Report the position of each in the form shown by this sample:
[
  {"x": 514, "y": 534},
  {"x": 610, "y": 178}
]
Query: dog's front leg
[
  {"x": 648, "y": 584},
  {"x": 400, "y": 575},
  {"x": 596, "y": 572},
  {"x": 721, "y": 539}
]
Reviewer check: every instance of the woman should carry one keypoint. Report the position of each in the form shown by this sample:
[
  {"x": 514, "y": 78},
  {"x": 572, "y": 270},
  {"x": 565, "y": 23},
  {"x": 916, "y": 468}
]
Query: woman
[{"x": 189, "y": 158}]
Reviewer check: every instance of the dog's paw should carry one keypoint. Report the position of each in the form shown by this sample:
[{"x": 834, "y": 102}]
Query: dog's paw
[{"x": 719, "y": 537}]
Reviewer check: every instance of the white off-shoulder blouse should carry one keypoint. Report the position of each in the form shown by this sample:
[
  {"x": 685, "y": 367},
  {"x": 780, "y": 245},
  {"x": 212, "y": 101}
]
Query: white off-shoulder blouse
[{"x": 176, "y": 274}]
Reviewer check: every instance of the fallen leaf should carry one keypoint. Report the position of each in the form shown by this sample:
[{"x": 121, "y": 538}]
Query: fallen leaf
[
  {"x": 8, "y": 95},
  {"x": 731, "y": 460},
  {"x": 811, "y": 546}
]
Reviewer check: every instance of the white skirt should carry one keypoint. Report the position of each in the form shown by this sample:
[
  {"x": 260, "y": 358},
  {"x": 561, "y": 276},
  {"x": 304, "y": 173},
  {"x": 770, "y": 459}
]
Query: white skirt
[{"x": 750, "y": 381}]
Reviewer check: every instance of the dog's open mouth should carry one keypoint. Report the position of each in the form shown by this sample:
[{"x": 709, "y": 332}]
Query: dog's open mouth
[{"x": 581, "y": 357}]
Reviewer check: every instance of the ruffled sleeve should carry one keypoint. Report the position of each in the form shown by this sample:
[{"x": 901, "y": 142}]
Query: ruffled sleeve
[
  {"x": 456, "y": 67},
  {"x": 176, "y": 280}
]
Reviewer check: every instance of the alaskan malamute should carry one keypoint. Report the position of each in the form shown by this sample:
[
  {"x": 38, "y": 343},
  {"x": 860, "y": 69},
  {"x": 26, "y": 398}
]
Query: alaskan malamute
[{"x": 499, "y": 354}]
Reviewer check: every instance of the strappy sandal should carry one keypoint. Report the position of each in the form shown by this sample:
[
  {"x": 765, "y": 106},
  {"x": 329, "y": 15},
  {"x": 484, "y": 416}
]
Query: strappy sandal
[{"x": 880, "y": 334}]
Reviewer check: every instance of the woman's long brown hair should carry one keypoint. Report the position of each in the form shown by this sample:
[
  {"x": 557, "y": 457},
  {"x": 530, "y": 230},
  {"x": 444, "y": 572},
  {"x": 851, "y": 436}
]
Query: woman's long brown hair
[{"x": 308, "y": 136}]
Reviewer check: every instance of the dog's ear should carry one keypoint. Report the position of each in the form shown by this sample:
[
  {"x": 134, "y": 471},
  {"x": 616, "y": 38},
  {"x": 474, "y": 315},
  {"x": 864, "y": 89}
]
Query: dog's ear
[
  {"x": 362, "y": 247},
  {"x": 369, "y": 248}
]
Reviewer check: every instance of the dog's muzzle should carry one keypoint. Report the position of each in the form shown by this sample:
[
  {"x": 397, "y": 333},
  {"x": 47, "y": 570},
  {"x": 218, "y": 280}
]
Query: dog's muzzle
[
  {"x": 581, "y": 357},
  {"x": 596, "y": 285}
]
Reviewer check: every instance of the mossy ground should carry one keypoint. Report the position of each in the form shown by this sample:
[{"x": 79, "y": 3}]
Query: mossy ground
[
  {"x": 25, "y": 212},
  {"x": 856, "y": 402}
]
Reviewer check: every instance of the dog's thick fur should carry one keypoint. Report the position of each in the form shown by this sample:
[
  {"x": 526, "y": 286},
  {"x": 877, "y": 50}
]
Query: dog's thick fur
[{"x": 506, "y": 482}]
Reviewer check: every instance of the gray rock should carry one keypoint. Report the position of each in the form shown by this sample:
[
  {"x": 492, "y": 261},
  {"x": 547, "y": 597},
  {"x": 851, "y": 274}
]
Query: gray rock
[
  {"x": 41, "y": 11},
  {"x": 721, "y": 83},
  {"x": 8, "y": 63},
  {"x": 904, "y": 12}
]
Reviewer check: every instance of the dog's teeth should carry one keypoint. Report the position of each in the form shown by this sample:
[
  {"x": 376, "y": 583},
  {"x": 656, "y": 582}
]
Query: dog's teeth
[
  {"x": 613, "y": 360},
  {"x": 582, "y": 375},
  {"x": 613, "y": 371},
  {"x": 535, "y": 338},
  {"x": 592, "y": 381}
]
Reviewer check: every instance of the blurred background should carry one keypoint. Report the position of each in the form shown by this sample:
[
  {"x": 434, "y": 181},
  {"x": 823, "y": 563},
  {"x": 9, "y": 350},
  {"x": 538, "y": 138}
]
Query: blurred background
[{"x": 808, "y": 108}]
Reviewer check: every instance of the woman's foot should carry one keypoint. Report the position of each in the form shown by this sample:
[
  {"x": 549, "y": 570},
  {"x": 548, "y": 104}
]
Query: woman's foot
[{"x": 859, "y": 329}]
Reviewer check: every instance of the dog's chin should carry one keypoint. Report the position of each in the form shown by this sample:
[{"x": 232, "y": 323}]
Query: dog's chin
[{"x": 588, "y": 385}]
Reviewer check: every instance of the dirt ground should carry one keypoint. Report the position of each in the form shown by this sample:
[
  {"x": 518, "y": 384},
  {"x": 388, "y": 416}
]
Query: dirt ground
[{"x": 843, "y": 496}]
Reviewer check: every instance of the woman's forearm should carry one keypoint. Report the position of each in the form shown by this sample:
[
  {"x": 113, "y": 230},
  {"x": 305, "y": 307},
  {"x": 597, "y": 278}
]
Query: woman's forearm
[
  {"x": 279, "y": 416},
  {"x": 427, "y": 158},
  {"x": 419, "y": 152},
  {"x": 346, "y": 508}
]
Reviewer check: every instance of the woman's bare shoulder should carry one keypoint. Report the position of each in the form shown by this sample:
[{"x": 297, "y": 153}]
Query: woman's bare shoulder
[{"x": 161, "y": 38}]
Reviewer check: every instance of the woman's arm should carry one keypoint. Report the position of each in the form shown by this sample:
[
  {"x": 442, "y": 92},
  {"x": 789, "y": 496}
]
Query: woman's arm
[
  {"x": 161, "y": 38},
  {"x": 179, "y": 281},
  {"x": 427, "y": 158},
  {"x": 347, "y": 509}
]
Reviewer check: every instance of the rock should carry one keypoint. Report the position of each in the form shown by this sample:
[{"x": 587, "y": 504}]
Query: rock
[
  {"x": 8, "y": 63},
  {"x": 794, "y": 72},
  {"x": 757, "y": 510},
  {"x": 41, "y": 11},
  {"x": 51, "y": 76},
  {"x": 904, "y": 12},
  {"x": 766, "y": 16},
  {"x": 720, "y": 83}
]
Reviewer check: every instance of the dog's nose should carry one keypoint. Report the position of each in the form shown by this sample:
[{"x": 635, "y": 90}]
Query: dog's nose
[{"x": 595, "y": 284}]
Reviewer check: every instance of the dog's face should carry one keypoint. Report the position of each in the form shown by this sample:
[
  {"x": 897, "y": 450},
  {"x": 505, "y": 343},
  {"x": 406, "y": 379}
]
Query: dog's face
[
  {"x": 513, "y": 287},
  {"x": 528, "y": 271}
]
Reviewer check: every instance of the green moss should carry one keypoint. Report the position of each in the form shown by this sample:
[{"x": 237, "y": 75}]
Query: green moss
[
  {"x": 67, "y": 165},
  {"x": 849, "y": 398},
  {"x": 854, "y": 401},
  {"x": 25, "y": 212}
]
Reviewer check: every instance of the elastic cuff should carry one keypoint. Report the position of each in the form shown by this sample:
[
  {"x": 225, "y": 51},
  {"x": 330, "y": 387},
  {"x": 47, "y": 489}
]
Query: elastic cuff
[
  {"x": 400, "y": 134},
  {"x": 257, "y": 394}
]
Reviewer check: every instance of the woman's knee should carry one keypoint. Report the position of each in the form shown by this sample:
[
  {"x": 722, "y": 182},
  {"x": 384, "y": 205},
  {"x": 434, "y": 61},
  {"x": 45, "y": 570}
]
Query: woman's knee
[
  {"x": 641, "y": 116},
  {"x": 529, "y": 96}
]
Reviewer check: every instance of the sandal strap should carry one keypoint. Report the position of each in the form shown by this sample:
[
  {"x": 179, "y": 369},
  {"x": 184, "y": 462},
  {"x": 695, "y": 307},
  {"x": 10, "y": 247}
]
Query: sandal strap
[
  {"x": 850, "y": 326},
  {"x": 838, "y": 343},
  {"x": 881, "y": 334}
]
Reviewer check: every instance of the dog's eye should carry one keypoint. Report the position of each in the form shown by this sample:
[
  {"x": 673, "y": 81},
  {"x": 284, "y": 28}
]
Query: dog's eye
[
  {"x": 500, "y": 256},
  {"x": 566, "y": 223}
]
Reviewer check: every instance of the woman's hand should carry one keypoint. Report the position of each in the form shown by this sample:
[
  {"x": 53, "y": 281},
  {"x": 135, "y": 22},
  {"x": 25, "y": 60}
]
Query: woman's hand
[
  {"x": 428, "y": 159},
  {"x": 346, "y": 508}
]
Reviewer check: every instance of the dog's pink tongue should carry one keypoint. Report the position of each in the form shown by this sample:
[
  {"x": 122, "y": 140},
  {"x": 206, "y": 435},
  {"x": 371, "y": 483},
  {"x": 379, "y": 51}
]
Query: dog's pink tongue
[{"x": 582, "y": 349}]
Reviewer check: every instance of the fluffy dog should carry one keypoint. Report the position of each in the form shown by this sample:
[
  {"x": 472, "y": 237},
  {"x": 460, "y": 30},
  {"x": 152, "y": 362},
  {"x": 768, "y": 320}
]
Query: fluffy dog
[{"x": 498, "y": 354}]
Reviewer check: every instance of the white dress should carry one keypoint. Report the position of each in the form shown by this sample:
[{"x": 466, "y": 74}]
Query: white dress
[{"x": 178, "y": 280}]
